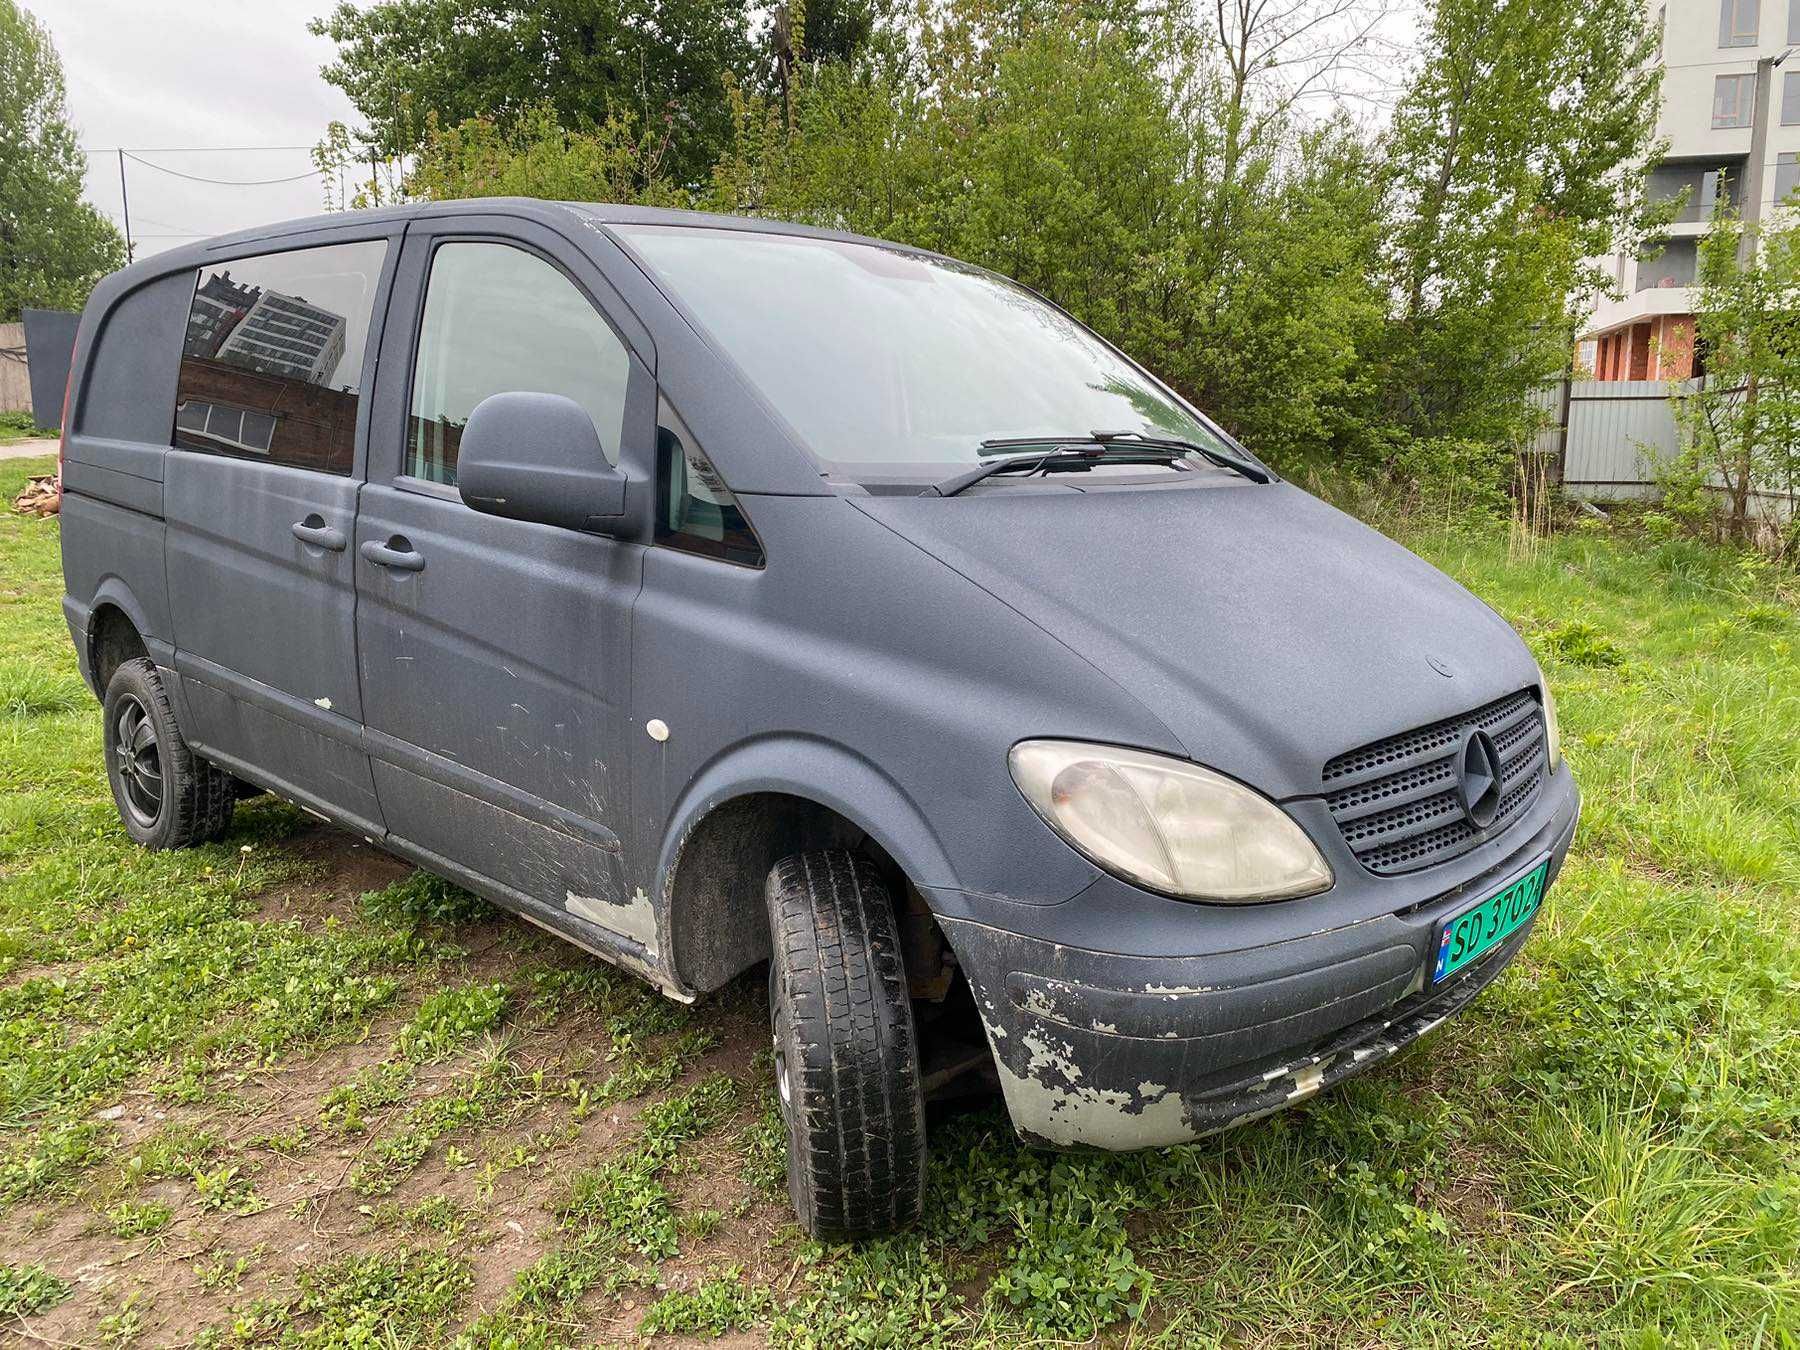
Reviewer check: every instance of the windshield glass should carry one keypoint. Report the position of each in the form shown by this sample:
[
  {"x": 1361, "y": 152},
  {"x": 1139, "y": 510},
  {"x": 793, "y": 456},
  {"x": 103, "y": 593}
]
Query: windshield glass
[{"x": 883, "y": 359}]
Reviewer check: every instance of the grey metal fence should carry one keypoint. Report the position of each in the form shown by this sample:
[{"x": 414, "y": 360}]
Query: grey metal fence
[
  {"x": 1619, "y": 431},
  {"x": 1610, "y": 437}
]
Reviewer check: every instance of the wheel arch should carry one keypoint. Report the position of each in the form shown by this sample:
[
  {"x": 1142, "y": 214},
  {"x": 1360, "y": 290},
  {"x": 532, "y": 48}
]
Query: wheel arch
[
  {"x": 754, "y": 806},
  {"x": 116, "y": 631}
]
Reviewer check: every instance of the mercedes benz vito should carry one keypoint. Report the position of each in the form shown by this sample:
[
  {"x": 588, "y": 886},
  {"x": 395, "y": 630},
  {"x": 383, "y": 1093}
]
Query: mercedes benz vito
[{"x": 717, "y": 592}]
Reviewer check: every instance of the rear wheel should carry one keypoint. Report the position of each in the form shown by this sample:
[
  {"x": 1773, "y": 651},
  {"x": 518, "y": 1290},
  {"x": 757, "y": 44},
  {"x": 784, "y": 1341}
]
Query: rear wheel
[
  {"x": 846, "y": 1057},
  {"x": 168, "y": 797}
]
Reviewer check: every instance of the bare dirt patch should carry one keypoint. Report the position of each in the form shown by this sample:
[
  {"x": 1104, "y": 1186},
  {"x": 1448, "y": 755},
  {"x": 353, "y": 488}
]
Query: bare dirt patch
[
  {"x": 339, "y": 867},
  {"x": 487, "y": 1193}
]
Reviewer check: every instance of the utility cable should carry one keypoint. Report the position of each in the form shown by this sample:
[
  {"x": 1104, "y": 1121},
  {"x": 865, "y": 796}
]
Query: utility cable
[{"x": 221, "y": 182}]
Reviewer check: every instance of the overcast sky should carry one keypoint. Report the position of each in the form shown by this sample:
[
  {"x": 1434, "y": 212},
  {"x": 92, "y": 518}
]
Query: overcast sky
[{"x": 153, "y": 75}]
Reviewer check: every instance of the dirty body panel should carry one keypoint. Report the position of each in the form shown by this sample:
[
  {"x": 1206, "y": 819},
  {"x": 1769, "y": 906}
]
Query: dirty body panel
[{"x": 1115, "y": 1049}]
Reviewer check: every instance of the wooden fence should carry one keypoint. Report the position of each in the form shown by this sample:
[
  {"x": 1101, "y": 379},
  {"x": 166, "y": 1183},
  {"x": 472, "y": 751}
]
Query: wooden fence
[{"x": 15, "y": 375}]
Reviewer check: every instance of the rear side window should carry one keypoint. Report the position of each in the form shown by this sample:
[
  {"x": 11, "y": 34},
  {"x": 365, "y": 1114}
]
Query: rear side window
[
  {"x": 499, "y": 320},
  {"x": 272, "y": 360}
]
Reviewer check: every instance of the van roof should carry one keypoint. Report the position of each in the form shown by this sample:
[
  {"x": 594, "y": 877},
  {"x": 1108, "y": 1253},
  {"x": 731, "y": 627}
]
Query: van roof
[{"x": 604, "y": 213}]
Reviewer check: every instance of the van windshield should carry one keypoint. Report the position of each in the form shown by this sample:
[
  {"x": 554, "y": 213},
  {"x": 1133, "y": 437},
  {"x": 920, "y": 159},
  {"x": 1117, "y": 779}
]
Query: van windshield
[{"x": 886, "y": 361}]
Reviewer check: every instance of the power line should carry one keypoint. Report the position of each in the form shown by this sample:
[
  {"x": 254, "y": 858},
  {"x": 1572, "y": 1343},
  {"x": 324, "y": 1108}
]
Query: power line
[
  {"x": 169, "y": 225},
  {"x": 222, "y": 182},
  {"x": 187, "y": 149}
]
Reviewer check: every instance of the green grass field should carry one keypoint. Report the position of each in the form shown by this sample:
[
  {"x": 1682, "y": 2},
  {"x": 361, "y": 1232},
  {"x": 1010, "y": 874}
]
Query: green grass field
[{"x": 283, "y": 1090}]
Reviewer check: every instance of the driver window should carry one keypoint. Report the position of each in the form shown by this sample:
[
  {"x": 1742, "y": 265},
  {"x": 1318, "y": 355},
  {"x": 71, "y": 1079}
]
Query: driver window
[{"x": 500, "y": 320}]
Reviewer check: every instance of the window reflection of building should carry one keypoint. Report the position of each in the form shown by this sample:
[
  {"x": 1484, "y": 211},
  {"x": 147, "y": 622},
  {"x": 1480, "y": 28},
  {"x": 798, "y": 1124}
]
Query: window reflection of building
[
  {"x": 264, "y": 330},
  {"x": 433, "y": 445},
  {"x": 219, "y": 306},
  {"x": 283, "y": 335},
  {"x": 254, "y": 372},
  {"x": 225, "y": 407}
]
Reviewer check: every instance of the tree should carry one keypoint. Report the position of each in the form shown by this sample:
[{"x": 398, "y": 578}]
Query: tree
[
  {"x": 537, "y": 157},
  {"x": 662, "y": 66},
  {"x": 53, "y": 245},
  {"x": 1741, "y": 427},
  {"x": 1381, "y": 302},
  {"x": 1518, "y": 152}
]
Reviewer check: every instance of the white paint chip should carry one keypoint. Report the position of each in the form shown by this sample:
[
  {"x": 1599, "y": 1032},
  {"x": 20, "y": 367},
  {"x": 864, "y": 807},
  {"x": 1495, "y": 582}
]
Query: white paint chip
[{"x": 634, "y": 918}]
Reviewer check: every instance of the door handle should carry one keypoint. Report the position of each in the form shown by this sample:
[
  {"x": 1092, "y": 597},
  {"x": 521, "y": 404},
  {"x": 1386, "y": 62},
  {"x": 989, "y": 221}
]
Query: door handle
[
  {"x": 397, "y": 553},
  {"x": 313, "y": 530}
]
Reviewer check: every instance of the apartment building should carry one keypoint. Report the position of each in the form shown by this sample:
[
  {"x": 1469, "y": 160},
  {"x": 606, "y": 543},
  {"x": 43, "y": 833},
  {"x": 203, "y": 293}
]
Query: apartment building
[
  {"x": 1731, "y": 116},
  {"x": 284, "y": 335}
]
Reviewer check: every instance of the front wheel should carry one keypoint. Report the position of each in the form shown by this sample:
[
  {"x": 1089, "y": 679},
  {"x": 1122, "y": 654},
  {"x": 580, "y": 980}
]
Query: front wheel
[
  {"x": 846, "y": 1057},
  {"x": 168, "y": 797}
]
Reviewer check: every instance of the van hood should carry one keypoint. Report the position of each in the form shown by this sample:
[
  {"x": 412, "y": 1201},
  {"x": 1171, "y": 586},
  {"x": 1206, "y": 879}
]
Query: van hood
[{"x": 1265, "y": 629}]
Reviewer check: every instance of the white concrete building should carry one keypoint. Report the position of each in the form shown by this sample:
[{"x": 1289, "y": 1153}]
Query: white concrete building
[
  {"x": 1731, "y": 116},
  {"x": 284, "y": 335}
]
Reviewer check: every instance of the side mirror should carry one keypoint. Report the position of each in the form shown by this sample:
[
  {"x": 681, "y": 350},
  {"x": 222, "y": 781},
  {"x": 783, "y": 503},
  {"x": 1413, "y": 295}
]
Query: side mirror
[{"x": 537, "y": 457}]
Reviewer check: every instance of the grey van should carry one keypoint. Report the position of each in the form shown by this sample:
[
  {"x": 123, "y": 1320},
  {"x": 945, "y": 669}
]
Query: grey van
[{"x": 714, "y": 592}]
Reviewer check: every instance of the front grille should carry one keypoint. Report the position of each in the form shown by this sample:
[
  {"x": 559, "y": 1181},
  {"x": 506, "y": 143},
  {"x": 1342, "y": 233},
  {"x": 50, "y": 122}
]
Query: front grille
[{"x": 1396, "y": 800}]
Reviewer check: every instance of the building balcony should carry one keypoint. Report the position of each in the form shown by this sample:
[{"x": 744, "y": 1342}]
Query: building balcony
[{"x": 1649, "y": 303}]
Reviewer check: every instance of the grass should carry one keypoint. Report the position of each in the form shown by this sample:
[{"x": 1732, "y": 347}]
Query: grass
[
  {"x": 20, "y": 426},
  {"x": 280, "y": 1105}
]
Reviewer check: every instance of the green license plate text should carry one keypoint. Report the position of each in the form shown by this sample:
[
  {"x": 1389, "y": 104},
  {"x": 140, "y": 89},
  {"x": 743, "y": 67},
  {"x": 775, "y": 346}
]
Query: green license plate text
[{"x": 1480, "y": 929}]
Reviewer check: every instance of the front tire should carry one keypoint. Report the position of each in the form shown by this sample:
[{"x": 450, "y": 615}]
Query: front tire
[
  {"x": 846, "y": 1056},
  {"x": 167, "y": 796}
]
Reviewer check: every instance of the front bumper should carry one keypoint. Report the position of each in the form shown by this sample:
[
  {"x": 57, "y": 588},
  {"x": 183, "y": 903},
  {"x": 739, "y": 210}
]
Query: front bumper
[{"x": 1123, "y": 1051}]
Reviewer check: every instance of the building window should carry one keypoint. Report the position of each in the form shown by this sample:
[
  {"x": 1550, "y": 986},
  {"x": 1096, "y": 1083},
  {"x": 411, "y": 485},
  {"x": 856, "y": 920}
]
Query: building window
[
  {"x": 1793, "y": 22},
  {"x": 1787, "y": 175},
  {"x": 1737, "y": 23},
  {"x": 219, "y": 427},
  {"x": 1790, "y": 99},
  {"x": 1732, "y": 97},
  {"x": 272, "y": 358},
  {"x": 1709, "y": 193}
]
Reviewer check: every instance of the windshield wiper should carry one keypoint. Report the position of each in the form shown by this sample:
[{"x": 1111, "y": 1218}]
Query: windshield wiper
[
  {"x": 1223, "y": 458},
  {"x": 1072, "y": 456}
]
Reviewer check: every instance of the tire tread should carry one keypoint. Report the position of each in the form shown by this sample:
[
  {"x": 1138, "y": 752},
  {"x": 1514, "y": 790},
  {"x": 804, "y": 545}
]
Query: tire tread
[{"x": 857, "y": 1123}]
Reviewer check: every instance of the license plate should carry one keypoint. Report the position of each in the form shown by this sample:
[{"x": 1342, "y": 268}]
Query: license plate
[{"x": 1479, "y": 929}]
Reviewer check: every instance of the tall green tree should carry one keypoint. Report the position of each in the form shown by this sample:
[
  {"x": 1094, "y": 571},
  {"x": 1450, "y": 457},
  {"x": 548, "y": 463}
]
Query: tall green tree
[
  {"x": 538, "y": 157},
  {"x": 53, "y": 245},
  {"x": 1385, "y": 302},
  {"x": 1518, "y": 152},
  {"x": 661, "y": 66}
]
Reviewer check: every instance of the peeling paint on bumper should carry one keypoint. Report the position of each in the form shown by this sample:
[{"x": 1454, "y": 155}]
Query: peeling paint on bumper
[
  {"x": 1053, "y": 1103},
  {"x": 1121, "y": 1052}
]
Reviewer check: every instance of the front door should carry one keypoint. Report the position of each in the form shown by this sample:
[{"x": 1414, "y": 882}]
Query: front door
[
  {"x": 495, "y": 653},
  {"x": 260, "y": 493}
]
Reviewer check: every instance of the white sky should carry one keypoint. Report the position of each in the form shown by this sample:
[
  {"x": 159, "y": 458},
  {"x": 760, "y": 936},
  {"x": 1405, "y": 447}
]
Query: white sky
[{"x": 154, "y": 74}]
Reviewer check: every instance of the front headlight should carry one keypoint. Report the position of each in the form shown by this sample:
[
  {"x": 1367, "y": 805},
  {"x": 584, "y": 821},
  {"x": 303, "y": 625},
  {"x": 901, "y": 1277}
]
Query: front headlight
[
  {"x": 1552, "y": 732},
  {"x": 1167, "y": 824}
]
